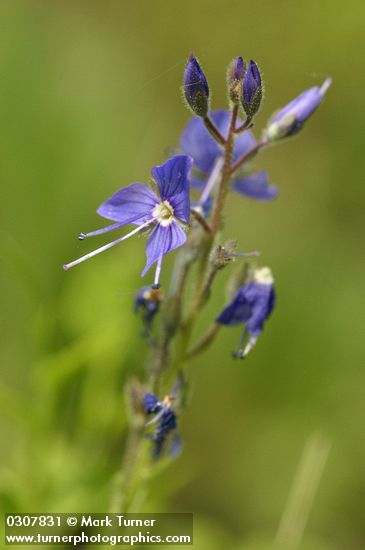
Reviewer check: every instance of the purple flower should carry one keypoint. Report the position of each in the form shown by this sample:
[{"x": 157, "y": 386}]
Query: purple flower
[
  {"x": 196, "y": 89},
  {"x": 289, "y": 120},
  {"x": 256, "y": 186},
  {"x": 163, "y": 214},
  {"x": 166, "y": 419},
  {"x": 251, "y": 90},
  {"x": 197, "y": 142},
  {"x": 252, "y": 305}
]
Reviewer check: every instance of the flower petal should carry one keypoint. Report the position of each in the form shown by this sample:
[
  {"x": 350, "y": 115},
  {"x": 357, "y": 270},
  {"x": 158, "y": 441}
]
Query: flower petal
[
  {"x": 132, "y": 204},
  {"x": 256, "y": 186},
  {"x": 243, "y": 143},
  {"x": 161, "y": 241},
  {"x": 197, "y": 142},
  {"x": 173, "y": 184},
  {"x": 151, "y": 404},
  {"x": 237, "y": 312}
]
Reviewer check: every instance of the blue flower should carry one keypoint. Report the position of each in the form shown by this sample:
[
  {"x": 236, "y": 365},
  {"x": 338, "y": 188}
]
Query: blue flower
[
  {"x": 196, "y": 89},
  {"x": 164, "y": 214},
  {"x": 166, "y": 418},
  {"x": 252, "y": 305},
  {"x": 147, "y": 302},
  {"x": 197, "y": 142},
  {"x": 289, "y": 120},
  {"x": 251, "y": 90}
]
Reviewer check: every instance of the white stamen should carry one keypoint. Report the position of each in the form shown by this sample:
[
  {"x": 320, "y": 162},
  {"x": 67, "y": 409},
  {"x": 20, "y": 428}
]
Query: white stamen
[
  {"x": 252, "y": 341},
  {"x": 105, "y": 247},
  {"x": 158, "y": 269}
]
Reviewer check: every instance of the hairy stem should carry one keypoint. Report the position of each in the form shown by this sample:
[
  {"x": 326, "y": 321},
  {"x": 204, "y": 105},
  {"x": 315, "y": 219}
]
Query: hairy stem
[
  {"x": 211, "y": 127},
  {"x": 226, "y": 173},
  {"x": 248, "y": 155}
]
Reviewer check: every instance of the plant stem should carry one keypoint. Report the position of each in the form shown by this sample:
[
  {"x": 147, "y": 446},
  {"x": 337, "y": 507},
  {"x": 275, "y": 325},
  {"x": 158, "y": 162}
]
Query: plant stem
[
  {"x": 244, "y": 126},
  {"x": 248, "y": 155},
  {"x": 226, "y": 173},
  {"x": 211, "y": 127},
  {"x": 205, "y": 341},
  {"x": 125, "y": 480}
]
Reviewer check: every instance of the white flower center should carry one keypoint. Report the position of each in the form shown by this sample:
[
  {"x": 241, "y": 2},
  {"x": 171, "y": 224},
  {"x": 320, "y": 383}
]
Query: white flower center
[
  {"x": 264, "y": 276},
  {"x": 163, "y": 213}
]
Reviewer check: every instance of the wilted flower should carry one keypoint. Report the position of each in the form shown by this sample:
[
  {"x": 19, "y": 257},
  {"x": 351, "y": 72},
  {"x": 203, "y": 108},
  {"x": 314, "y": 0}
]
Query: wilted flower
[
  {"x": 166, "y": 418},
  {"x": 147, "y": 303},
  {"x": 197, "y": 142},
  {"x": 251, "y": 305},
  {"x": 289, "y": 120},
  {"x": 164, "y": 214},
  {"x": 251, "y": 90},
  {"x": 196, "y": 89}
]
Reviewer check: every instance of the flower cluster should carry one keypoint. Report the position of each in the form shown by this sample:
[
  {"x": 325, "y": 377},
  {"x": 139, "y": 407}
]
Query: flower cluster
[{"x": 215, "y": 153}]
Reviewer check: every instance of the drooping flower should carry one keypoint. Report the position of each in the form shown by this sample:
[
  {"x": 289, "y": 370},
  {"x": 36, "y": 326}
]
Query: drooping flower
[
  {"x": 164, "y": 214},
  {"x": 289, "y": 120},
  {"x": 251, "y": 89},
  {"x": 197, "y": 142},
  {"x": 196, "y": 89},
  {"x": 252, "y": 305},
  {"x": 166, "y": 422},
  {"x": 147, "y": 303}
]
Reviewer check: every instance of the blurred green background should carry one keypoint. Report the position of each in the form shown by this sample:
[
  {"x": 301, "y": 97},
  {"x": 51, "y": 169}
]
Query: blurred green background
[{"x": 89, "y": 102}]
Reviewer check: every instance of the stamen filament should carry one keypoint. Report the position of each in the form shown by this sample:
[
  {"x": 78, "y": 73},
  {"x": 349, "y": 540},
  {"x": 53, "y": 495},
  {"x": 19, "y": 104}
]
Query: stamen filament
[
  {"x": 106, "y": 246},
  {"x": 158, "y": 269},
  {"x": 100, "y": 231}
]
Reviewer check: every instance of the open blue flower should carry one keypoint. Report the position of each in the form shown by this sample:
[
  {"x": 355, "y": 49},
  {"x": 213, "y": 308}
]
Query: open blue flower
[
  {"x": 252, "y": 305},
  {"x": 197, "y": 142},
  {"x": 166, "y": 422},
  {"x": 164, "y": 214}
]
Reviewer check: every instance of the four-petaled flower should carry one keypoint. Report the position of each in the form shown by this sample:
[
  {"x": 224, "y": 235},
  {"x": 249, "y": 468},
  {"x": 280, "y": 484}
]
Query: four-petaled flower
[
  {"x": 251, "y": 305},
  {"x": 166, "y": 418},
  {"x": 164, "y": 214},
  {"x": 197, "y": 142}
]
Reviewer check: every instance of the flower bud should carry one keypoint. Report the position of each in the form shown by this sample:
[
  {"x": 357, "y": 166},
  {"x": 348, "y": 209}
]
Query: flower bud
[
  {"x": 234, "y": 79},
  {"x": 251, "y": 90},
  {"x": 289, "y": 120},
  {"x": 196, "y": 89}
]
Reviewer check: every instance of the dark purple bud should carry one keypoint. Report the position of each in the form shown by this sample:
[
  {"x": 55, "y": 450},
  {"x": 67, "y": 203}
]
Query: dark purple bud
[
  {"x": 289, "y": 120},
  {"x": 234, "y": 79},
  {"x": 251, "y": 89},
  {"x": 196, "y": 89}
]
